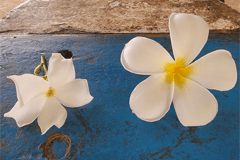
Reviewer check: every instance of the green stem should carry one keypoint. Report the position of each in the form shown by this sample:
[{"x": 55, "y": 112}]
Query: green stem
[
  {"x": 43, "y": 62},
  {"x": 37, "y": 70}
]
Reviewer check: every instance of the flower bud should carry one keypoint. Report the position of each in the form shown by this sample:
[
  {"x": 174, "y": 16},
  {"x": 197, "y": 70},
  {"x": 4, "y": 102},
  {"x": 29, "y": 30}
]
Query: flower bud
[{"x": 66, "y": 54}]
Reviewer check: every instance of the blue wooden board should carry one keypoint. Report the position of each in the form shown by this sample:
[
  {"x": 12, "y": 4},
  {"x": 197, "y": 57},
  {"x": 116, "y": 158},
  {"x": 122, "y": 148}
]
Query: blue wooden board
[{"x": 106, "y": 128}]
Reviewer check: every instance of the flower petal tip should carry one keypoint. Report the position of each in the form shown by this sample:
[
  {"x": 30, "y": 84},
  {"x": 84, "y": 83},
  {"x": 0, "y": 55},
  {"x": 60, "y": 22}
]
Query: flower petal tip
[
  {"x": 20, "y": 125},
  {"x": 191, "y": 124},
  {"x": 42, "y": 133},
  {"x": 91, "y": 98},
  {"x": 6, "y": 115},
  {"x": 44, "y": 130},
  {"x": 11, "y": 77},
  {"x": 149, "y": 120},
  {"x": 172, "y": 14}
]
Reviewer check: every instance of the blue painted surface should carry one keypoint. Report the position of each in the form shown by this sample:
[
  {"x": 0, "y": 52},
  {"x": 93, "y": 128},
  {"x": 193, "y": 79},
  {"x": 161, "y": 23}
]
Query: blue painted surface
[{"x": 106, "y": 128}]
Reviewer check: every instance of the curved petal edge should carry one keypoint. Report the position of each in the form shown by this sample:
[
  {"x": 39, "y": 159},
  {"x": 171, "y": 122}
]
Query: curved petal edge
[
  {"x": 144, "y": 56},
  {"x": 151, "y": 99},
  {"x": 194, "y": 105}
]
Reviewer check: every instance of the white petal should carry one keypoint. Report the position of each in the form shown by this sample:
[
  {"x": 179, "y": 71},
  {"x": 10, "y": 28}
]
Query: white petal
[
  {"x": 15, "y": 108},
  {"x": 60, "y": 70},
  {"x": 74, "y": 94},
  {"x": 188, "y": 33},
  {"x": 28, "y": 112},
  {"x": 53, "y": 114},
  {"x": 29, "y": 86},
  {"x": 19, "y": 97},
  {"x": 144, "y": 56},
  {"x": 151, "y": 99},
  {"x": 216, "y": 70},
  {"x": 194, "y": 104}
]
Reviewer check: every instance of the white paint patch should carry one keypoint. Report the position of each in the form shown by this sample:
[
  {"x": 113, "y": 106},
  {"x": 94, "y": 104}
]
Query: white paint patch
[
  {"x": 222, "y": 24},
  {"x": 114, "y": 4},
  {"x": 21, "y": 4}
]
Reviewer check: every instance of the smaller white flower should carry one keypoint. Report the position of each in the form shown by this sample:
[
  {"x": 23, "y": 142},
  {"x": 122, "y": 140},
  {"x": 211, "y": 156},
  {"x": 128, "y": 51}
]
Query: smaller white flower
[
  {"x": 38, "y": 98},
  {"x": 178, "y": 80}
]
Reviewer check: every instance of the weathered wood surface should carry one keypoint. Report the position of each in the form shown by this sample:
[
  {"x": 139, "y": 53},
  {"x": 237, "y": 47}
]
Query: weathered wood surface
[
  {"x": 108, "y": 16},
  {"x": 106, "y": 128}
]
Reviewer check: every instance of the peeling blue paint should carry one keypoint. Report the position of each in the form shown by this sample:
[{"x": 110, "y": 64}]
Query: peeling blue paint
[{"x": 106, "y": 128}]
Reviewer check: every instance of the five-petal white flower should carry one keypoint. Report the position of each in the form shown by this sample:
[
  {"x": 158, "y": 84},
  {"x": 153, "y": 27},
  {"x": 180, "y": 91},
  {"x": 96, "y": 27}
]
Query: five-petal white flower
[
  {"x": 180, "y": 81},
  {"x": 38, "y": 98}
]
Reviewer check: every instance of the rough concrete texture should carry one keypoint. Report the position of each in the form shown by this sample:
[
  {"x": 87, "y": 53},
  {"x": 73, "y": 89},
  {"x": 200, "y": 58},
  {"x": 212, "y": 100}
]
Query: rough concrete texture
[
  {"x": 7, "y": 5},
  {"x": 109, "y": 16},
  {"x": 235, "y": 4}
]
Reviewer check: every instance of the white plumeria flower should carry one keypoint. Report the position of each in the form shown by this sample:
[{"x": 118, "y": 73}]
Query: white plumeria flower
[
  {"x": 178, "y": 80},
  {"x": 38, "y": 98}
]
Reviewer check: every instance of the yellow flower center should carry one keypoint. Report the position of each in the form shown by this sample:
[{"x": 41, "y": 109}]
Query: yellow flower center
[
  {"x": 50, "y": 93},
  {"x": 177, "y": 72}
]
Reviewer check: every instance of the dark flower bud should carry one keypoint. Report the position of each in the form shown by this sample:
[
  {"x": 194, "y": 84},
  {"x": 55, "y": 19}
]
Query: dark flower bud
[{"x": 66, "y": 54}]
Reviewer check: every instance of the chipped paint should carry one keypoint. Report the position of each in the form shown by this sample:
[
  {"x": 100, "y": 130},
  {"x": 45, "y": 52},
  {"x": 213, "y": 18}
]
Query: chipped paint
[{"x": 106, "y": 128}]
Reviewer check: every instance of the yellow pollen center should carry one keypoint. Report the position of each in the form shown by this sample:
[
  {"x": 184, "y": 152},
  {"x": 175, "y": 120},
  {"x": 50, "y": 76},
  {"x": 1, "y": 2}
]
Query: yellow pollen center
[
  {"x": 177, "y": 72},
  {"x": 50, "y": 92}
]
